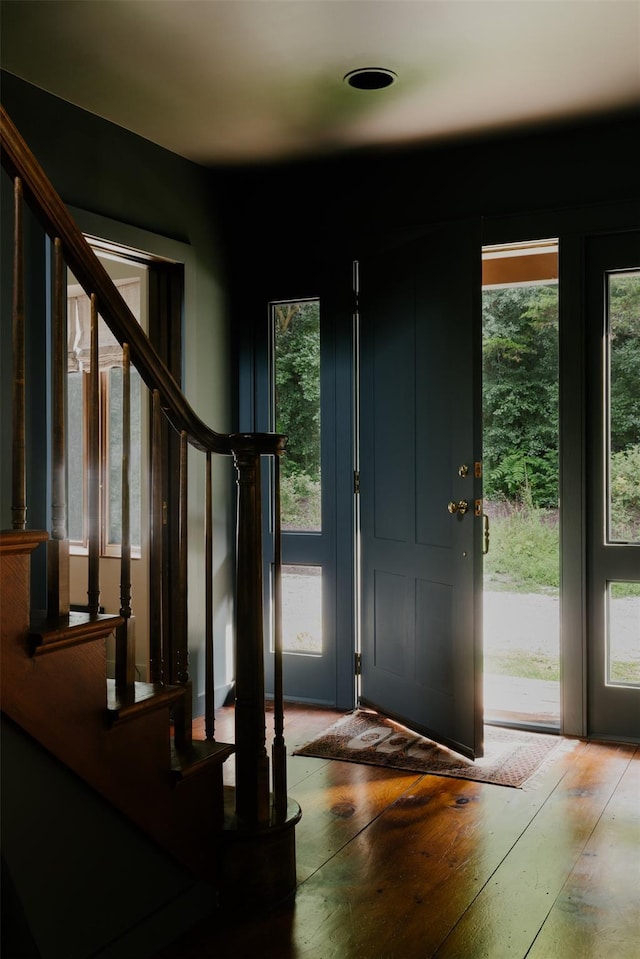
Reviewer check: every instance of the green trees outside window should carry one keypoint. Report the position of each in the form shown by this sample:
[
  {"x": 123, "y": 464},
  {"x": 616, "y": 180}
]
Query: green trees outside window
[
  {"x": 520, "y": 436},
  {"x": 520, "y": 395},
  {"x": 624, "y": 406},
  {"x": 520, "y": 425},
  {"x": 296, "y": 333}
]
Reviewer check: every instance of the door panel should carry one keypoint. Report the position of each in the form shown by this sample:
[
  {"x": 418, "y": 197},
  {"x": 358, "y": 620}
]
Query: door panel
[
  {"x": 420, "y": 396},
  {"x": 613, "y": 409}
]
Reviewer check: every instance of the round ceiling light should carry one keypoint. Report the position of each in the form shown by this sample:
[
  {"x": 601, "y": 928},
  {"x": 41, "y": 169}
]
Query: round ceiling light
[{"x": 370, "y": 78}]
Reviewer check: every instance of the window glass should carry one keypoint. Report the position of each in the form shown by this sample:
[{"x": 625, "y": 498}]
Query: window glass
[
  {"x": 521, "y": 605},
  {"x": 302, "y": 609},
  {"x": 623, "y": 634},
  {"x": 296, "y": 385},
  {"x": 623, "y": 308}
]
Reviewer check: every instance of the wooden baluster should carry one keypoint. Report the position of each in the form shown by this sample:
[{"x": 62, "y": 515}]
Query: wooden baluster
[
  {"x": 156, "y": 622},
  {"x": 252, "y": 761},
  {"x": 209, "y": 715},
  {"x": 93, "y": 472},
  {"x": 183, "y": 712},
  {"x": 181, "y": 659},
  {"x": 278, "y": 749},
  {"x": 125, "y": 651},
  {"x": 18, "y": 468},
  {"x": 58, "y": 546}
]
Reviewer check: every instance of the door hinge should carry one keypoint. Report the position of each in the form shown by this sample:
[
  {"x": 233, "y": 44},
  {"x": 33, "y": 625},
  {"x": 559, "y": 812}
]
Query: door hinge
[
  {"x": 356, "y": 481},
  {"x": 358, "y": 664}
]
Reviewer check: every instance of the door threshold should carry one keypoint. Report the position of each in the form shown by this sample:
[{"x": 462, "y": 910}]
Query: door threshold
[{"x": 523, "y": 721}]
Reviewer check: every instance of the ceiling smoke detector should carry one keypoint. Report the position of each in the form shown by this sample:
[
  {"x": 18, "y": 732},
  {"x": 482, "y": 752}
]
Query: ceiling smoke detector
[{"x": 370, "y": 78}]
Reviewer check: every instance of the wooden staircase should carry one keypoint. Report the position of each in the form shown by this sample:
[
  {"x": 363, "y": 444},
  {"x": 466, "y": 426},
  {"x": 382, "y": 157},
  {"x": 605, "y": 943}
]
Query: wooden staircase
[
  {"x": 131, "y": 741},
  {"x": 53, "y": 686}
]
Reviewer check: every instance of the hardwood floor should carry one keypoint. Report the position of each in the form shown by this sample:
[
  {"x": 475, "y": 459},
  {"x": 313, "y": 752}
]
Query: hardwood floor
[{"x": 392, "y": 865}]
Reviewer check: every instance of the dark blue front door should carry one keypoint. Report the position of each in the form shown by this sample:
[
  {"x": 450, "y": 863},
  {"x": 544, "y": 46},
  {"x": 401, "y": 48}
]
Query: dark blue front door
[{"x": 420, "y": 462}]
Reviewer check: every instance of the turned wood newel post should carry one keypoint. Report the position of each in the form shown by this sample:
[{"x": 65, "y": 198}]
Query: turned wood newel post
[
  {"x": 252, "y": 762},
  {"x": 258, "y": 851}
]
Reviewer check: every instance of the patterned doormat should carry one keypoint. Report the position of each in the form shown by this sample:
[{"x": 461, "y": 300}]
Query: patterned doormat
[{"x": 511, "y": 756}]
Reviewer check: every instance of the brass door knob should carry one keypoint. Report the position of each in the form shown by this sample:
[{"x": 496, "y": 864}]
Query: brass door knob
[{"x": 460, "y": 507}]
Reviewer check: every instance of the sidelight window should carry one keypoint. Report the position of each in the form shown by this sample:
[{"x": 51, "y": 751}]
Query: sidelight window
[
  {"x": 295, "y": 384},
  {"x": 623, "y": 406},
  {"x": 296, "y": 410}
]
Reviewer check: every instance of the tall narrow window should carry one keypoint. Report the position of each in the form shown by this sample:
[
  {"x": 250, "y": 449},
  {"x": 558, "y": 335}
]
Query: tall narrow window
[
  {"x": 296, "y": 380},
  {"x": 623, "y": 380},
  {"x": 623, "y": 469},
  {"x": 521, "y": 451}
]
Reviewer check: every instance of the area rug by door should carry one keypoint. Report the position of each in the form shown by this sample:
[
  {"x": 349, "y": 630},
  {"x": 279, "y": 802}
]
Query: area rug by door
[{"x": 511, "y": 756}]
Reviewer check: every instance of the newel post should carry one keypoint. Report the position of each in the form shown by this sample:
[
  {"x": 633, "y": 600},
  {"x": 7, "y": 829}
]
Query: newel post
[
  {"x": 252, "y": 761},
  {"x": 258, "y": 849}
]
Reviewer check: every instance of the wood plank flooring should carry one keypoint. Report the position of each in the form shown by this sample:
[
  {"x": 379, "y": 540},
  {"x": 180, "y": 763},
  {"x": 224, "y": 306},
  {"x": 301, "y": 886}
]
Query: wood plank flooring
[{"x": 393, "y": 865}]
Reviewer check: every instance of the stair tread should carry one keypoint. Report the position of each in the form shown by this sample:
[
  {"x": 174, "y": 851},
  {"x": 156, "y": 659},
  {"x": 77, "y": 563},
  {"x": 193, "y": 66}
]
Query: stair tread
[
  {"x": 145, "y": 696},
  {"x": 46, "y": 634},
  {"x": 21, "y": 541},
  {"x": 198, "y": 755}
]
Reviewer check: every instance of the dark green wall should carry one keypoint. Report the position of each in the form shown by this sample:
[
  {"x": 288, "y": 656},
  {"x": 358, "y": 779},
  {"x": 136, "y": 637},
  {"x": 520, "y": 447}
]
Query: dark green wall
[
  {"x": 310, "y": 208},
  {"x": 98, "y": 166}
]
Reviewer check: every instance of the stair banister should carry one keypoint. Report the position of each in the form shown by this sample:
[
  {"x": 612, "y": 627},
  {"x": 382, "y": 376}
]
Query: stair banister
[{"x": 257, "y": 808}]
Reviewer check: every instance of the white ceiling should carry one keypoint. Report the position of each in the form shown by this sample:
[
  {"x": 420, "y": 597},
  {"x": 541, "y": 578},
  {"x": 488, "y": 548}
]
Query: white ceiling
[{"x": 252, "y": 80}]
